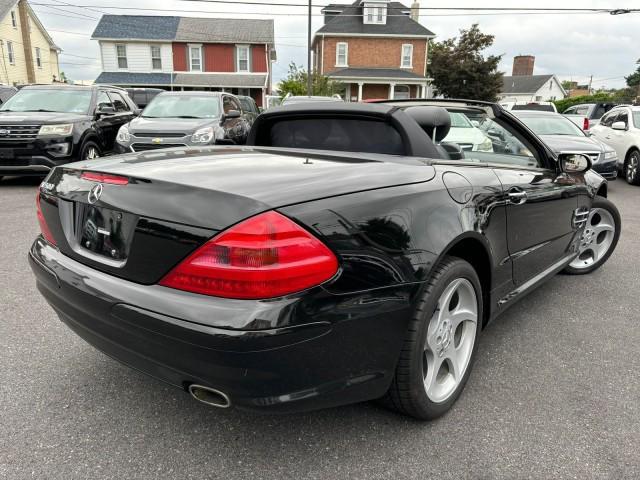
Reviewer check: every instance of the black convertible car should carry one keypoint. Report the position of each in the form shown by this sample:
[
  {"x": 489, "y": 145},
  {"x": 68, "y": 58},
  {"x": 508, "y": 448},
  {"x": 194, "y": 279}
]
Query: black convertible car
[{"x": 347, "y": 254}]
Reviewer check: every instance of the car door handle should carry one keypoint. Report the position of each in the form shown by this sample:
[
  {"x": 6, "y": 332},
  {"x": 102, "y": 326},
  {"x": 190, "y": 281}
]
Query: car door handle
[{"x": 517, "y": 196}]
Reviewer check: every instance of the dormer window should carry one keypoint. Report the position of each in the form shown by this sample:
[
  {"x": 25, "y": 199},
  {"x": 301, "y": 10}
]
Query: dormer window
[{"x": 375, "y": 13}]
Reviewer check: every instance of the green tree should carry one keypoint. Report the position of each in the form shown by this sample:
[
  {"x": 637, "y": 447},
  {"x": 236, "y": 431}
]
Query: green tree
[
  {"x": 459, "y": 69},
  {"x": 633, "y": 80},
  {"x": 296, "y": 83}
]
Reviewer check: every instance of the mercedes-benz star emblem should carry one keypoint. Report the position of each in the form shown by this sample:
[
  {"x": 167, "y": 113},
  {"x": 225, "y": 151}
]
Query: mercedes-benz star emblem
[{"x": 94, "y": 193}]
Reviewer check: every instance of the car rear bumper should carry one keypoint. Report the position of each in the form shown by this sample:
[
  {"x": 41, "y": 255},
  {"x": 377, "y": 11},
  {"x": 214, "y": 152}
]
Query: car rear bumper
[{"x": 344, "y": 354}]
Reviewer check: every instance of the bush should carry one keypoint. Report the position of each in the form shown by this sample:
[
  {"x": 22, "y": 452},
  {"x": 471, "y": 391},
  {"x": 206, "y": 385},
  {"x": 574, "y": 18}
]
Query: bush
[{"x": 620, "y": 96}]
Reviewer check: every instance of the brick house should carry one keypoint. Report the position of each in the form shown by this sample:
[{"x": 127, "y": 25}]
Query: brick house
[
  {"x": 183, "y": 53},
  {"x": 376, "y": 48}
]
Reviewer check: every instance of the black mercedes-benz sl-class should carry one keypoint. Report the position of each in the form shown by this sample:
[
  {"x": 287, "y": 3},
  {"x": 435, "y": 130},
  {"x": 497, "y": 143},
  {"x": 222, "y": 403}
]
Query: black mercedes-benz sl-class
[{"x": 349, "y": 253}]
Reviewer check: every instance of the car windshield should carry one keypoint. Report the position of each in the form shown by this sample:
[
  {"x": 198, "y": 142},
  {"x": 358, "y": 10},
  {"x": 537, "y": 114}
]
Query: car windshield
[
  {"x": 49, "y": 100},
  {"x": 552, "y": 125},
  {"x": 187, "y": 106},
  {"x": 458, "y": 120}
]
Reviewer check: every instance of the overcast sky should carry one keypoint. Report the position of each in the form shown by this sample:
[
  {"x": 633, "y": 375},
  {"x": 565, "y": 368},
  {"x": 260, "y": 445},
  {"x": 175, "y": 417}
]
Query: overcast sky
[{"x": 571, "y": 46}]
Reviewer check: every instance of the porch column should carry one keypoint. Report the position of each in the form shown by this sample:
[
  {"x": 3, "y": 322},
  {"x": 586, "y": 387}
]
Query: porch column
[
  {"x": 360, "y": 84},
  {"x": 392, "y": 90}
]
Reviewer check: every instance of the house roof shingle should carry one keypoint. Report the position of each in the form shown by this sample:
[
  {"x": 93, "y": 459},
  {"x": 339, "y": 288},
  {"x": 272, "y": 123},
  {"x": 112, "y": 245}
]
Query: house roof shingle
[
  {"x": 374, "y": 73},
  {"x": 138, "y": 27},
  {"x": 524, "y": 83},
  {"x": 220, "y": 80},
  {"x": 5, "y": 6},
  {"x": 183, "y": 79},
  {"x": 183, "y": 29},
  {"x": 224, "y": 30},
  {"x": 350, "y": 21},
  {"x": 128, "y": 78}
]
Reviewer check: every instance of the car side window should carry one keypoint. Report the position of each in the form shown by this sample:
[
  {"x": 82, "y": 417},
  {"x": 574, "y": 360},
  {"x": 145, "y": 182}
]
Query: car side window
[
  {"x": 484, "y": 139},
  {"x": 226, "y": 104},
  {"x": 608, "y": 119},
  {"x": 599, "y": 112},
  {"x": 623, "y": 117},
  {"x": 570, "y": 111},
  {"x": 119, "y": 103},
  {"x": 103, "y": 100}
]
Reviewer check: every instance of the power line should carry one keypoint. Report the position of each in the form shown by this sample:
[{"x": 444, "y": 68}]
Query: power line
[{"x": 471, "y": 11}]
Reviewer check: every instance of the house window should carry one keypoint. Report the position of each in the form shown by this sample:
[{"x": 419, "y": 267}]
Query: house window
[
  {"x": 12, "y": 57},
  {"x": 407, "y": 56},
  {"x": 195, "y": 58},
  {"x": 242, "y": 56},
  {"x": 342, "y": 54},
  {"x": 38, "y": 58},
  {"x": 375, "y": 14},
  {"x": 121, "y": 53},
  {"x": 14, "y": 20},
  {"x": 551, "y": 85},
  {"x": 156, "y": 58}
]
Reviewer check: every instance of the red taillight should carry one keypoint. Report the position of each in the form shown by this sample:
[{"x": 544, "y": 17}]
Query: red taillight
[
  {"x": 104, "y": 178},
  {"x": 585, "y": 125},
  {"x": 44, "y": 228},
  {"x": 265, "y": 256}
]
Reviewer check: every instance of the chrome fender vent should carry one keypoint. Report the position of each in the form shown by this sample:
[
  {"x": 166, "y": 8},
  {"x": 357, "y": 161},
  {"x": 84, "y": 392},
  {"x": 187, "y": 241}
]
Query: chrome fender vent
[{"x": 580, "y": 217}]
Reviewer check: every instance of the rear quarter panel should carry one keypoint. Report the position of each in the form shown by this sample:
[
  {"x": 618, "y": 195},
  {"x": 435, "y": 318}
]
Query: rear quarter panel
[{"x": 394, "y": 237}]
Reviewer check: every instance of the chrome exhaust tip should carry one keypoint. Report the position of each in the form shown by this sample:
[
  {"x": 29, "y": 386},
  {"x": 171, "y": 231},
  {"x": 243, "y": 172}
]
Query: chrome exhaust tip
[{"x": 209, "y": 396}]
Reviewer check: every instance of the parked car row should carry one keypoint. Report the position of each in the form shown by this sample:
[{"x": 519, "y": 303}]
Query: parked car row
[{"x": 43, "y": 126}]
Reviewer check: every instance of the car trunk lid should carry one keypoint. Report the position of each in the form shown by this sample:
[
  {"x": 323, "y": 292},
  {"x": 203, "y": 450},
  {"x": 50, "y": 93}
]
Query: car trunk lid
[{"x": 170, "y": 202}]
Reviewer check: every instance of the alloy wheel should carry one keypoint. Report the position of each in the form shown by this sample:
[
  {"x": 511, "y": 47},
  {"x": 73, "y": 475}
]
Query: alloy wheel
[
  {"x": 596, "y": 239},
  {"x": 632, "y": 167},
  {"x": 450, "y": 339},
  {"x": 91, "y": 153}
]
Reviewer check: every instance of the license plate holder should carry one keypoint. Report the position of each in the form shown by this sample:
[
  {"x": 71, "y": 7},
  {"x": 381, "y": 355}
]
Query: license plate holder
[{"x": 104, "y": 232}]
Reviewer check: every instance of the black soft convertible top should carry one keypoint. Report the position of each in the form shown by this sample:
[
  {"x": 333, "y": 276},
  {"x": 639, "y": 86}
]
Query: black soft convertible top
[{"x": 342, "y": 126}]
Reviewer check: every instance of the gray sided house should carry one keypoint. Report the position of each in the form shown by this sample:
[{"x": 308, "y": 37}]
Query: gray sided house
[{"x": 184, "y": 53}]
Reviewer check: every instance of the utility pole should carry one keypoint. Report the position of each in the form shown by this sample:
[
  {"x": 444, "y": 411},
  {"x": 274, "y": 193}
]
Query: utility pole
[{"x": 309, "y": 69}]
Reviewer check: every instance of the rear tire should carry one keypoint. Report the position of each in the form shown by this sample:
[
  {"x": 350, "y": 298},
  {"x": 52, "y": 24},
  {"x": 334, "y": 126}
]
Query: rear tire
[
  {"x": 440, "y": 346},
  {"x": 632, "y": 168},
  {"x": 599, "y": 239},
  {"x": 89, "y": 151}
]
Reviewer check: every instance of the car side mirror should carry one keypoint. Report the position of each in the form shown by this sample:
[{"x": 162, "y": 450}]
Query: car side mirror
[
  {"x": 104, "y": 111},
  {"x": 231, "y": 114},
  {"x": 137, "y": 112},
  {"x": 619, "y": 126},
  {"x": 571, "y": 162}
]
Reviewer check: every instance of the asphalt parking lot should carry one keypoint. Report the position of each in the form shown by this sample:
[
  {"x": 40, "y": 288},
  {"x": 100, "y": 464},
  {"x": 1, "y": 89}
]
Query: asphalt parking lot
[{"x": 555, "y": 393}]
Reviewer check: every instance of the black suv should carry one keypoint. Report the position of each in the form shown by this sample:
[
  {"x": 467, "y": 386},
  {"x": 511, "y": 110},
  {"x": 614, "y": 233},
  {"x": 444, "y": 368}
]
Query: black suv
[{"x": 44, "y": 126}]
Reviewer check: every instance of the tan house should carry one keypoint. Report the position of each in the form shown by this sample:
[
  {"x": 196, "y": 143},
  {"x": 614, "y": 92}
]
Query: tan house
[
  {"x": 28, "y": 54},
  {"x": 376, "y": 48}
]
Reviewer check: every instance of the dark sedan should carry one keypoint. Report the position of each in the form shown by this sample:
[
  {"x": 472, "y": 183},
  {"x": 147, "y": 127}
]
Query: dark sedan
[
  {"x": 287, "y": 276},
  {"x": 182, "y": 119},
  {"x": 561, "y": 134}
]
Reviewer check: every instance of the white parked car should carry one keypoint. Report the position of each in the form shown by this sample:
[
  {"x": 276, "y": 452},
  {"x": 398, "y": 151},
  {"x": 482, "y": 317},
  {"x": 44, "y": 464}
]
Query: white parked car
[
  {"x": 467, "y": 135},
  {"x": 620, "y": 128}
]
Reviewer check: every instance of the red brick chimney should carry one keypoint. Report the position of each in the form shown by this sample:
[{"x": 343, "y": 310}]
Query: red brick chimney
[{"x": 523, "y": 65}]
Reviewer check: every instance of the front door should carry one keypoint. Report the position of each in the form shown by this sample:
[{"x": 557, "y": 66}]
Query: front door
[
  {"x": 541, "y": 205},
  {"x": 540, "y": 202}
]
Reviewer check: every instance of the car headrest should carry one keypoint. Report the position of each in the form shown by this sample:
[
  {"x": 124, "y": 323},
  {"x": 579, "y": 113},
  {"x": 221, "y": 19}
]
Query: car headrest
[{"x": 436, "y": 121}]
